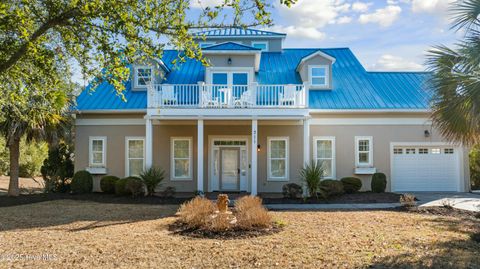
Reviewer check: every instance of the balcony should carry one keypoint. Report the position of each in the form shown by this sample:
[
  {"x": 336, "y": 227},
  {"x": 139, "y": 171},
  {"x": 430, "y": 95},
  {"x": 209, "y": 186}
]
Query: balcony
[{"x": 236, "y": 97}]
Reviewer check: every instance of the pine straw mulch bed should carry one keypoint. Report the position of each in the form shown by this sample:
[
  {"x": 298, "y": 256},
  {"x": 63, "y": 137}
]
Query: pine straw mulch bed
[
  {"x": 353, "y": 198},
  {"x": 179, "y": 228},
  {"x": 6, "y": 201},
  {"x": 85, "y": 234}
]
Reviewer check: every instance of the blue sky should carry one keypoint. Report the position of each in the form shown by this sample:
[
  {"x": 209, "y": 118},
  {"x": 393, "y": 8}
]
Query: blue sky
[
  {"x": 384, "y": 34},
  {"x": 389, "y": 35}
]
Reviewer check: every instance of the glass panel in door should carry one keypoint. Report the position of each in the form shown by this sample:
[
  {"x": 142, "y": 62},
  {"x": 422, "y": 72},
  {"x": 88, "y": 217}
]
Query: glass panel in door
[
  {"x": 240, "y": 84},
  {"x": 229, "y": 175}
]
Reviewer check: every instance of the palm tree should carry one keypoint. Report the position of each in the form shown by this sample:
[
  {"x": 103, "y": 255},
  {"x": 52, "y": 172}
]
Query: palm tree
[
  {"x": 33, "y": 114},
  {"x": 456, "y": 78}
]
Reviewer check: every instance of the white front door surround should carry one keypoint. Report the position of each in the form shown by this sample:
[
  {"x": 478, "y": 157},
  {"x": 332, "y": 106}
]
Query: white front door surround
[{"x": 216, "y": 144}]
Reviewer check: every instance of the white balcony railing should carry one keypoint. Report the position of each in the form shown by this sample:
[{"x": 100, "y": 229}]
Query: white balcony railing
[{"x": 224, "y": 96}]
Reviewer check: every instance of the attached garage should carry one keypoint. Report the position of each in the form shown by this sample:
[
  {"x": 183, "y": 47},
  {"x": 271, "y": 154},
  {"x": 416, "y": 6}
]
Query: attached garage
[{"x": 425, "y": 168}]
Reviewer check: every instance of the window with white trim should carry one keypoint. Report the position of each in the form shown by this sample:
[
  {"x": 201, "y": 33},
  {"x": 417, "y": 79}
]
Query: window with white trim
[
  {"x": 143, "y": 75},
  {"x": 277, "y": 155},
  {"x": 318, "y": 75},
  {"x": 410, "y": 151},
  {"x": 260, "y": 45},
  {"x": 324, "y": 154},
  {"x": 448, "y": 151},
  {"x": 135, "y": 155},
  {"x": 363, "y": 151},
  {"x": 422, "y": 151},
  {"x": 181, "y": 158},
  {"x": 97, "y": 148},
  {"x": 436, "y": 151},
  {"x": 397, "y": 151}
]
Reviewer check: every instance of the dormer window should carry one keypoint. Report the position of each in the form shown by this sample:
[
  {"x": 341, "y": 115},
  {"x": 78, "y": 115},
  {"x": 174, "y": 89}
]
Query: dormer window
[
  {"x": 143, "y": 76},
  {"x": 319, "y": 76},
  {"x": 260, "y": 45}
]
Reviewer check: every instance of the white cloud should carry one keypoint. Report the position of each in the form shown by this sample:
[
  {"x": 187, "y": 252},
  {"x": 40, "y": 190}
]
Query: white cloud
[
  {"x": 205, "y": 3},
  {"x": 430, "y": 6},
  {"x": 383, "y": 16},
  {"x": 300, "y": 32},
  {"x": 361, "y": 6},
  {"x": 313, "y": 13},
  {"x": 344, "y": 20},
  {"x": 389, "y": 62}
]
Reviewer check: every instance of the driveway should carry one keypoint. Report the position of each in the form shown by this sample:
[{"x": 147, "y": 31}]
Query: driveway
[{"x": 460, "y": 200}]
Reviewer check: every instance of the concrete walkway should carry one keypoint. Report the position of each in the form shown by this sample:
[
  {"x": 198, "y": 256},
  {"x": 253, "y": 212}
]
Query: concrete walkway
[{"x": 465, "y": 201}]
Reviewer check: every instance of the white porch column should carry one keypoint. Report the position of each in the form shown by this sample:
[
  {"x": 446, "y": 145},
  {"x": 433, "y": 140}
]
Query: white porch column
[
  {"x": 200, "y": 155},
  {"x": 254, "y": 156},
  {"x": 148, "y": 143},
  {"x": 306, "y": 141}
]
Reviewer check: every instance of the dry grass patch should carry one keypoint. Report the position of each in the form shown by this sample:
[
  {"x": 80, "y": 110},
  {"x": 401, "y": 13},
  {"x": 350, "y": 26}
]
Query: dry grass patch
[
  {"x": 251, "y": 213},
  {"x": 99, "y": 235}
]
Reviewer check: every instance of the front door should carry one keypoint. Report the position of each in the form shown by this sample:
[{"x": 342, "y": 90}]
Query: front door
[{"x": 229, "y": 169}]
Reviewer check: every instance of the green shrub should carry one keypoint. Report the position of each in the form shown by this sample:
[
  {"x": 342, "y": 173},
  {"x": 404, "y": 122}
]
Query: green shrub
[
  {"x": 120, "y": 186},
  {"x": 82, "y": 182},
  {"x": 351, "y": 184},
  {"x": 135, "y": 186},
  {"x": 107, "y": 184},
  {"x": 57, "y": 170},
  {"x": 152, "y": 178},
  {"x": 331, "y": 187},
  {"x": 169, "y": 192},
  {"x": 379, "y": 182},
  {"x": 312, "y": 174},
  {"x": 292, "y": 190}
]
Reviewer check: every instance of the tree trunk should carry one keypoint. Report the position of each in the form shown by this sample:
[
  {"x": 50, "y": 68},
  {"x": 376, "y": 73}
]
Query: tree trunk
[{"x": 14, "y": 147}]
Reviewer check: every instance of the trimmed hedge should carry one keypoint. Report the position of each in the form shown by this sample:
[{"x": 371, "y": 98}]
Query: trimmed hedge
[
  {"x": 332, "y": 187},
  {"x": 135, "y": 186},
  {"x": 82, "y": 182},
  {"x": 351, "y": 184},
  {"x": 379, "y": 182},
  {"x": 121, "y": 186},
  {"x": 292, "y": 190},
  {"x": 107, "y": 184}
]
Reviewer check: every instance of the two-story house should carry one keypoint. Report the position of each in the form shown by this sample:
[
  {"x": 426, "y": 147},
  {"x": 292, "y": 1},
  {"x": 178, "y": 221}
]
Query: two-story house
[{"x": 250, "y": 120}]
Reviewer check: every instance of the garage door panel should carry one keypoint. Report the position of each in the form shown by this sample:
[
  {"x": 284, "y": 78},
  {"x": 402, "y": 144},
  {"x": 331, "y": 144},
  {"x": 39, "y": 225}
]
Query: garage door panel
[{"x": 424, "y": 172}]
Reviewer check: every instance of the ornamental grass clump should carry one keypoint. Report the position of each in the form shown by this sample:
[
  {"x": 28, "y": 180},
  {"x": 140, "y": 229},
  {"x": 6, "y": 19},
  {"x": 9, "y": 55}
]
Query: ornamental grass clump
[
  {"x": 197, "y": 212},
  {"x": 312, "y": 175},
  {"x": 251, "y": 213}
]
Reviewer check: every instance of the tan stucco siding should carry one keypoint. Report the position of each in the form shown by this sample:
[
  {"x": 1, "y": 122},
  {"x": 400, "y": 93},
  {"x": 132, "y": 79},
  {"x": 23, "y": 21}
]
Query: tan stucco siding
[
  {"x": 382, "y": 135},
  {"x": 236, "y": 60}
]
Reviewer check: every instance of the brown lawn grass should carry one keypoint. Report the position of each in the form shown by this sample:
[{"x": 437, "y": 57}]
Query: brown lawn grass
[
  {"x": 27, "y": 185},
  {"x": 82, "y": 234}
]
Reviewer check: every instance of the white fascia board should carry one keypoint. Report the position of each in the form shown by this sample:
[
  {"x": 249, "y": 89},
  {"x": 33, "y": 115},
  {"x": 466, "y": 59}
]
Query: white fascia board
[
  {"x": 110, "y": 111},
  {"x": 371, "y": 121},
  {"x": 234, "y": 113},
  {"x": 373, "y": 111},
  {"x": 231, "y": 52},
  {"x": 239, "y": 36},
  {"x": 107, "y": 122}
]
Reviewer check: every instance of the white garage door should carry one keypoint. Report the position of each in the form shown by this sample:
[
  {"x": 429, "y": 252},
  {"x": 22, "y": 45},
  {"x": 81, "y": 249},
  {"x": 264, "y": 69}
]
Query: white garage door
[{"x": 427, "y": 168}]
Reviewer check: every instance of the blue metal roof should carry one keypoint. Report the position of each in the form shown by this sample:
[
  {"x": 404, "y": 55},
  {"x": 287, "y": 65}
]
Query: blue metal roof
[
  {"x": 230, "y": 46},
  {"x": 238, "y": 32},
  {"x": 353, "y": 86}
]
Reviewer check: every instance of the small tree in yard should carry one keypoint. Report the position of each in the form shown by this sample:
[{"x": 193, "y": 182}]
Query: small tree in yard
[
  {"x": 152, "y": 177},
  {"x": 58, "y": 168},
  {"x": 312, "y": 175}
]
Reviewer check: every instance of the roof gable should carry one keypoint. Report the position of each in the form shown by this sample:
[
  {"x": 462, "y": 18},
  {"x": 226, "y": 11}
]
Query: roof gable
[{"x": 231, "y": 46}]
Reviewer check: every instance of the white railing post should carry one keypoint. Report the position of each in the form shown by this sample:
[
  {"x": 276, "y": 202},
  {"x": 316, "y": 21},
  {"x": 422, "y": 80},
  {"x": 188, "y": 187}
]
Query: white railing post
[
  {"x": 200, "y": 155},
  {"x": 306, "y": 90},
  {"x": 200, "y": 86},
  {"x": 254, "y": 157},
  {"x": 148, "y": 143},
  {"x": 253, "y": 93}
]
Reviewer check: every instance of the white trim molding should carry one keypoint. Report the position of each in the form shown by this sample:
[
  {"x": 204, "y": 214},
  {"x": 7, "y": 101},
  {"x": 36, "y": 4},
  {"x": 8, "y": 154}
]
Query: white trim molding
[
  {"x": 90, "y": 152},
  {"x": 332, "y": 158},
  {"x": 346, "y": 111},
  {"x": 262, "y": 43},
  {"x": 127, "y": 155},
  {"x": 318, "y": 53},
  {"x": 370, "y": 152},
  {"x": 109, "y": 122},
  {"x": 172, "y": 158},
  {"x": 327, "y": 77},
  {"x": 269, "y": 158},
  {"x": 135, "y": 75},
  {"x": 371, "y": 121}
]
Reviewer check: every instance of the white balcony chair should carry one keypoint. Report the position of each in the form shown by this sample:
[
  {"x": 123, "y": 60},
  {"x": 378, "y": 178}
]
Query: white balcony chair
[
  {"x": 288, "y": 97},
  {"x": 245, "y": 100},
  {"x": 168, "y": 95},
  {"x": 208, "y": 100}
]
